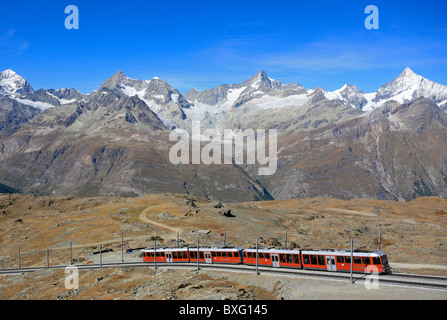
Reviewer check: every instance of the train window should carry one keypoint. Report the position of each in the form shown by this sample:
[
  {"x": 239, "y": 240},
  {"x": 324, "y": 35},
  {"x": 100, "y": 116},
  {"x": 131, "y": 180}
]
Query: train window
[
  {"x": 236, "y": 253},
  {"x": 250, "y": 254},
  {"x": 313, "y": 259},
  {"x": 201, "y": 255},
  {"x": 366, "y": 260},
  {"x": 282, "y": 258},
  {"x": 174, "y": 254},
  {"x": 261, "y": 255},
  {"x": 321, "y": 260},
  {"x": 289, "y": 258},
  {"x": 357, "y": 260},
  {"x": 376, "y": 260},
  {"x": 340, "y": 259},
  {"x": 306, "y": 258},
  {"x": 219, "y": 254},
  {"x": 185, "y": 255},
  {"x": 348, "y": 259},
  {"x": 384, "y": 260},
  {"x": 296, "y": 258},
  {"x": 213, "y": 254},
  {"x": 193, "y": 255},
  {"x": 267, "y": 255},
  {"x": 245, "y": 254}
]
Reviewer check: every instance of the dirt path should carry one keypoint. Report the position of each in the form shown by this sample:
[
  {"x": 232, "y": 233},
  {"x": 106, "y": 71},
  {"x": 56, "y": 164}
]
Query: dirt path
[
  {"x": 158, "y": 224},
  {"x": 355, "y": 212}
]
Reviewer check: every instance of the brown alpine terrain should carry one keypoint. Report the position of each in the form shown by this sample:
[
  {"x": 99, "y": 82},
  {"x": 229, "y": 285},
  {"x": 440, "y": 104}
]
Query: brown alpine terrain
[{"x": 413, "y": 236}]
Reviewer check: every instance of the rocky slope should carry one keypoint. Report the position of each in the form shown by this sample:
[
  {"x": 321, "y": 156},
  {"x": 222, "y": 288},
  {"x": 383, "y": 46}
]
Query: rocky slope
[
  {"x": 395, "y": 152},
  {"x": 115, "y": 140}
]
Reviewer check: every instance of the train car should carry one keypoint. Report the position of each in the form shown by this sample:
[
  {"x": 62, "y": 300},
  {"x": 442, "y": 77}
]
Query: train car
[
  {"x": 329, "y": 260},
  {"x": 340, "y": 260},
  {"x": 273, "y": 257},
  {"x": 168, "y": 255},
  {"x": 231, "y": 255}
]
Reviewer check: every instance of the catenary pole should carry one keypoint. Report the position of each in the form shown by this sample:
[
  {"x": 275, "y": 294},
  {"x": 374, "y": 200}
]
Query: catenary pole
[
  {"x": 380, "y": 239},
  {"x": 257, "y": 249},
  {"x": 198, "y": 242},
  {"x": 155, "y": 252},
  {"x": 352, "y": 257}
]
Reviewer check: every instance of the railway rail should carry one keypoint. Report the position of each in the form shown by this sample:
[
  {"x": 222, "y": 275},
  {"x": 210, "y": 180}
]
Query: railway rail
[{"x": 396, "y": 279}]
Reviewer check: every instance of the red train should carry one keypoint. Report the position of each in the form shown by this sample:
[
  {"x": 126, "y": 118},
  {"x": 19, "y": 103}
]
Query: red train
[{"x": 330, "y": 260}]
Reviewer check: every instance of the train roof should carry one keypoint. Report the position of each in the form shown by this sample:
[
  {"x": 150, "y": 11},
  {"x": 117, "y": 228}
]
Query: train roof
[
  {"x": 321, "y": 251},
  {"x": 223, "y": 248},
  {"x": 165, "y": 249},
  {"x": 344, "y": 252},
  {"x": 272, "y": 249}
]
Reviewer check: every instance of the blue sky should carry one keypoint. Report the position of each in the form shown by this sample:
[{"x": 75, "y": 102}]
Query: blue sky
[{"x": 201, "y": 44}]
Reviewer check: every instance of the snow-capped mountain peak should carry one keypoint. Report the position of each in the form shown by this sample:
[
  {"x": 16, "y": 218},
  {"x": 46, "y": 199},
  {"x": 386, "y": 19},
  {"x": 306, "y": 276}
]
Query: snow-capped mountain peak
[
  {"x": 262, "y": 81},
  {"x": 163, "y": 99},
  {"x": 348, "y": 94},
  {"x": 408, "y": 73},
  {"x": 407, "y": 87},
  {"x": 12, "y": 83}
]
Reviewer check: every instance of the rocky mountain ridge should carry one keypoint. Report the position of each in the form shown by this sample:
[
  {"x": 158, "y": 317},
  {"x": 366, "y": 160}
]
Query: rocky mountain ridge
[{"x": 115, "y": 140}]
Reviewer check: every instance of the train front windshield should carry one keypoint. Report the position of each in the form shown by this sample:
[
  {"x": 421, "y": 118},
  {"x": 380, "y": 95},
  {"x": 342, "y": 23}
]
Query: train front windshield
[{"x": 384, "y": 260}]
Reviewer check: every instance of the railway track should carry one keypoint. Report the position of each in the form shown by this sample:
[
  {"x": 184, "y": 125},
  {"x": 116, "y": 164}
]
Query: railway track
[{"x": 397, "y": 279}]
